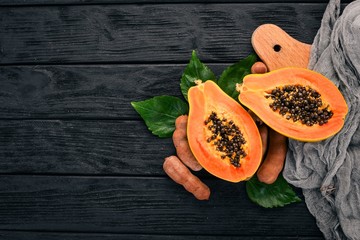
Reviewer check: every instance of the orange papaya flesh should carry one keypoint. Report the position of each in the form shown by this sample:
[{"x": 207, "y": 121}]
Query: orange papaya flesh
[
  {"x": 296, "y": 102},
  {"x": 222, "y": 135}
]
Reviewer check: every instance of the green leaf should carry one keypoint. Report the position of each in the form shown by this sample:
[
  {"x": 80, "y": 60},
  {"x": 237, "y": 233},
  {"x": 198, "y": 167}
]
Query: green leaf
[
  {"x": 234, "y": 74},
  {"x": 195, "y": 70},
  {"x": 160, "y": 113},
  {"x": 277, "y": 194}
]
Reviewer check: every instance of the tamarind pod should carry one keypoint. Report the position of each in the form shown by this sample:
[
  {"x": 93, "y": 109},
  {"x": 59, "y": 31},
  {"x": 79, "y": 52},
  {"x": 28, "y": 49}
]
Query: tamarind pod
[
  {"x": 259, "y": 67},
  {"x": 275, "y": 158},
  {"x": 178, "y": 172},
  {"x": 257, "y": 120},
  {"x": 181, "y": 144},
  {"x": 276, "y": 151},
  {"x": 181, "y": 122},
  {"x": 263, "y": 130}
]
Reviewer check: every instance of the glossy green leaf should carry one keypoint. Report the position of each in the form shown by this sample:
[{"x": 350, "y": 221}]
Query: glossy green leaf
[
  {"x": 278, "y": 194},
  {"x": 160, "y": 113},
  {"x": 234, "y": 74},
  {"x": 195, "y": 70}
]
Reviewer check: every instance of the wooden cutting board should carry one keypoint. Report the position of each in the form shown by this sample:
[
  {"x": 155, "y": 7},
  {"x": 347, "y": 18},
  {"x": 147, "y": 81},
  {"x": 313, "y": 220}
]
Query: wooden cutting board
[{"x": 277, "y": 49}]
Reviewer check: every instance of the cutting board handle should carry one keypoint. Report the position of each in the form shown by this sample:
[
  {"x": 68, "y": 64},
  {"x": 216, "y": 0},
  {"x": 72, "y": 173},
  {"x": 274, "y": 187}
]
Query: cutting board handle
[{"x": 277, "y": 49}]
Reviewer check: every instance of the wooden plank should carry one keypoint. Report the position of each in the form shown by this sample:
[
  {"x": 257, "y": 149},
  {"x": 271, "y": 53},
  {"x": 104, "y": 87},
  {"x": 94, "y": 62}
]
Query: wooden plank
[
  {"x": 82, "y": 2},
  {"x": 142, "y": 206},
  {"x": 293, "y": 53},
  {"x": 81, "y": 147},
  {"x": 85, "y": 91},
  {"x": 145, "y": 33},
  {"x": 26, "y": 235}
]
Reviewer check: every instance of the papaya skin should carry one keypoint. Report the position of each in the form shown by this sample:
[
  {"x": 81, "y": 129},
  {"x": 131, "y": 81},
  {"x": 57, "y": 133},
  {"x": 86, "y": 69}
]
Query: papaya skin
[
  {"x": 274, "y": 144},
  {"x": 256, "y": 86},
  {"x": 205, "y": 99}
]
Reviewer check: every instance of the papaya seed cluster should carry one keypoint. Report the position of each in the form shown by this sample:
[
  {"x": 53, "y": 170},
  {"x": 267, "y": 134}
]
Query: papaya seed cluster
[
  {"x": 300, "y": 103},
  {"x": 227, "y": 138}
]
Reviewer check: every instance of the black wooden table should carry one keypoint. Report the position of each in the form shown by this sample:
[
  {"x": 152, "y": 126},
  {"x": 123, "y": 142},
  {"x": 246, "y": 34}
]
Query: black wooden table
[{"x": 76, "y": 160}]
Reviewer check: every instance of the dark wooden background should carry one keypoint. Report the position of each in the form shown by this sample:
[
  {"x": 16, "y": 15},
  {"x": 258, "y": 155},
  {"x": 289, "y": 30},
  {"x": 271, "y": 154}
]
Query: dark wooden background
[{"x": 77, "y": 162}]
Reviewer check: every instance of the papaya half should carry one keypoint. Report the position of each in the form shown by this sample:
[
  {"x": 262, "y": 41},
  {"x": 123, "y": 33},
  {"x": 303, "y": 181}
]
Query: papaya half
[
  {"x": 296, "y": 102},
  {"x": 222, "y": 135}
]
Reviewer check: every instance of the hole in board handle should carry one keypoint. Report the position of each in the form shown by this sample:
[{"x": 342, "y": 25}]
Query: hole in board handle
[{"x": 277, "y": 48}]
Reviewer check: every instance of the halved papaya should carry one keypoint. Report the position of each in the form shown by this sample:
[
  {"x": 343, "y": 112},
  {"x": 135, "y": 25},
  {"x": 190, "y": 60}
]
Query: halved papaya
[
  {"x": 222, "y": 135},
  {"x": 296, "y": 102}
]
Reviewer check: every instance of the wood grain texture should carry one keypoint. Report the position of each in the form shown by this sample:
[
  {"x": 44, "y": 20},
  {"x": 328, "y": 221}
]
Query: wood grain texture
[
  {"x": 277, "y": 49},
  {"x": 76, "y": 160},
  {"x": 84, "y": 2},
  {"x": 33, "y": 235},
  {"x": 142, "y": 206},
  {"x": 145, "y": 33},
  {"x": 85, "y": 91},
  {"x": 81, "y": 147}
]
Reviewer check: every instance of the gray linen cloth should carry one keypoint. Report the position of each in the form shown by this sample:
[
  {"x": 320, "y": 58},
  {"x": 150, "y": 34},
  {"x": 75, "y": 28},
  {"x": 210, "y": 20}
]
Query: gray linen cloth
[{"x": 329, "y": 171}]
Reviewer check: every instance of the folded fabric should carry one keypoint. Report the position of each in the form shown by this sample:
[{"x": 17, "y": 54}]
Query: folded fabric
[{"x": 329, "y": 171}]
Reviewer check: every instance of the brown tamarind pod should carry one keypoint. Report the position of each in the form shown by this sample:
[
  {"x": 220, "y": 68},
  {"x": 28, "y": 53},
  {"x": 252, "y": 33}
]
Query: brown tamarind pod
[
  {"x": 263, "y": 130},
  {"x": 178, "y": 172},
  {"x": 275, "y": 158},
  {"x": 181, "y": 144},
  {"x": 258, "y": 68}
]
